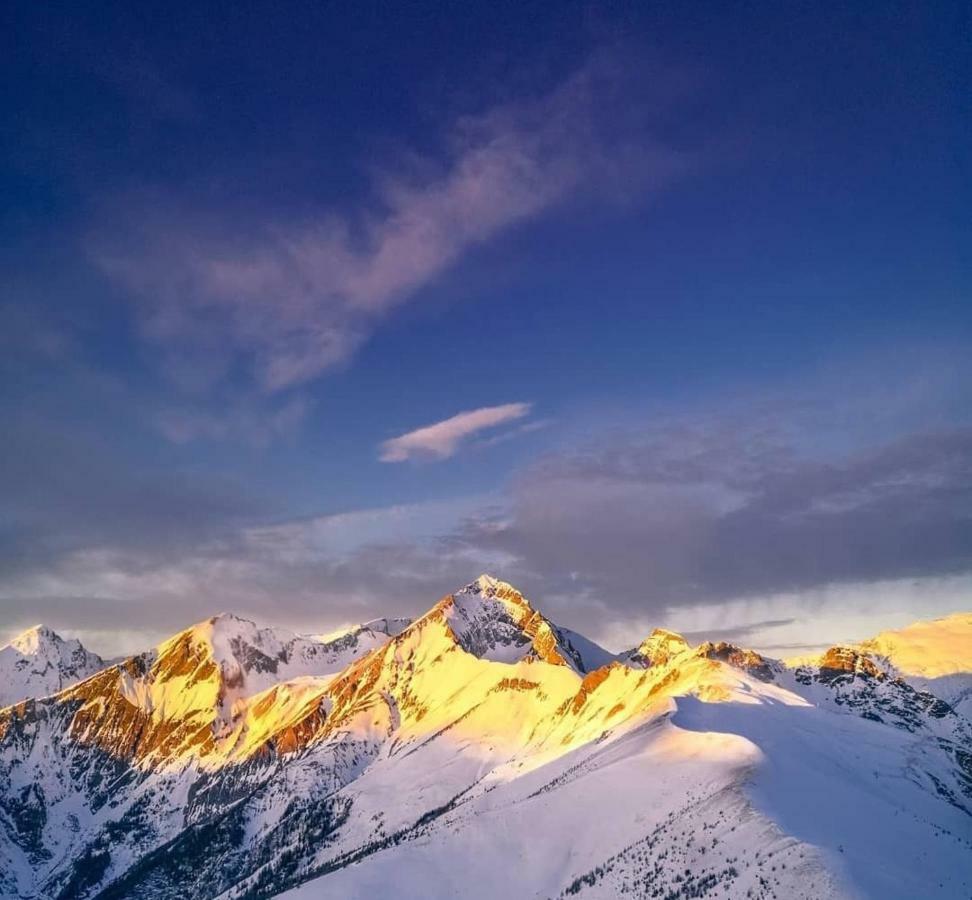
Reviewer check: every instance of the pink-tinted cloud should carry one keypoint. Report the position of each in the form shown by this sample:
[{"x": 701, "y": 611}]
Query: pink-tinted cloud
[
  {"x": 294, "y": 300},
  {"x": 442, "y": 439}
]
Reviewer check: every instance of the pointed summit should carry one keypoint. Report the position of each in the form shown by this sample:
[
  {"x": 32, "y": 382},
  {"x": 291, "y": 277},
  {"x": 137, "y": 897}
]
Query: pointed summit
[
  {"x": 656, "y": 649},
  {"x": 32, "y": 639},
  {"x": 39, "y": 662},
  {"x": 490, "y": 583},
  {"x": 491, "y": 619}
]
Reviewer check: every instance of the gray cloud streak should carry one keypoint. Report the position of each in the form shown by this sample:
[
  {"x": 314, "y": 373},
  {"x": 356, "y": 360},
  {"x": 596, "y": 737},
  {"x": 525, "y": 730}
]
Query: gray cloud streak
[
  {"x": 701, "y": 519},
  {"x": 63, "y": 492}
]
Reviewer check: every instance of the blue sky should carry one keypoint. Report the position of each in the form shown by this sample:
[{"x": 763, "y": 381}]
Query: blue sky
[{"x": 316, "y": 312}]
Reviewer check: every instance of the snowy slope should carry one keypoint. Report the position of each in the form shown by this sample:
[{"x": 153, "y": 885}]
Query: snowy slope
[
  {"x": 936, "y": 656},
  {"x": 39, "y": 662},
  {"x": 483, "y": 751},
  {"x": 347, "y": 644},
  {"x": 595, "y": 823},
  {"x": 714, "y": 776}
]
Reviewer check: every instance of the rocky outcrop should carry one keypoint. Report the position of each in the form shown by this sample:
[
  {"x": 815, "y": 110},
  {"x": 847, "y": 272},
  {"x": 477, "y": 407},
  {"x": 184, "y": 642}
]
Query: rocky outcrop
[
  {"x": 659, "y": 648},
  {"x": 747, "y": 660}
]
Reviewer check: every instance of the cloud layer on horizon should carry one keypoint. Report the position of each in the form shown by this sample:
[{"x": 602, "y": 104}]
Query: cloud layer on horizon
[{"x": 723, "y": 519}]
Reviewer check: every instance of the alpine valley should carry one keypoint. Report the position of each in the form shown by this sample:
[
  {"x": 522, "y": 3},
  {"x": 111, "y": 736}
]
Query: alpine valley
[{"x": 483, "y": 751}]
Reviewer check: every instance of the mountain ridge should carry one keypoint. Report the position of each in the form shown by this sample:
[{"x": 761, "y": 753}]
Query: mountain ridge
[{"x": 234, "y": 761}]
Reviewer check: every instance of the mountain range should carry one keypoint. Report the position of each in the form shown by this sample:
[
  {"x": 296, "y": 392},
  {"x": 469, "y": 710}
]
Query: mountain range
[{"x": 483, "y": 751}]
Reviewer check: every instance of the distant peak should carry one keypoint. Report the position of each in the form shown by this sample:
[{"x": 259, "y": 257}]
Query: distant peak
[
  {"x": 389, "y": 626},
  {"x": 31, "y": 639},
  {"x": 224, "y": 624},
  {"x": 659, "y": 647},
  {"x": 40, "y": 631},
  {"x": 392, "y": 626},
  {"x": 930, "y": 649},
  {"x": 749, "y": 660}
]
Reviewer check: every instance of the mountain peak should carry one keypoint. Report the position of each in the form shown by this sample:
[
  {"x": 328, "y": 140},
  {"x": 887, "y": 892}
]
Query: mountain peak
[
  {"x": 235, "y": 741},
  {"x": 491, "y": 586},
  {"x": 748, "y": 660},
  {"x": 486, "y": 597},
  {"x": 209, "y": 692},
  {"x": 931, "y": 649},
  {"x": 42, "y": 641},
  {"x": 32, "y": 639},
  {"x": 489, "y": 581},
  {"x": 657, "y": 649},
  {"x": 38, "y": 662},
  {"x": 229, "y": 621},
  {"x": 239, "y": 647},
  {"x": 663, "y": 635},
  {"x": 491, "y": 619}
]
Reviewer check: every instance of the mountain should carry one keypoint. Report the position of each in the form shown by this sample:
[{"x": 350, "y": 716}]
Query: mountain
[
  {"x": 39, "y": 662},
  {"x": 492, "y": 620},
  {"x": 348, "y": 643},
  {"x": 483, "y": 751},
  {"x": 931, "y": 655},
  {"x": 657, "y": 649},
  {"x": 205, "y": 694}
]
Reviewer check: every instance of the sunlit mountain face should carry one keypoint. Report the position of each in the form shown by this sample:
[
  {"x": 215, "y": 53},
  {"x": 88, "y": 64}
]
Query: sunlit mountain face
[
  {"x": 659, "y": 311},
  {"x": 482, "y": 750}
]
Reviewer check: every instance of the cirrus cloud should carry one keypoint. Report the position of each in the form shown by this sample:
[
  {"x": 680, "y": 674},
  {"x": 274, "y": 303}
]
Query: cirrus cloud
[
  {"x": 441, "y": 439},
  {"x": 290, "y": 300}
]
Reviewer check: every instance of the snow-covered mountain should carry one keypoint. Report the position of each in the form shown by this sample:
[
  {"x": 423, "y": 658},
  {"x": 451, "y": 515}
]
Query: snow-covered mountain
[
  {"x": 484, "y": 751},
  {"x": 492, "y": 620},
  {"x": 39, "y": 662},
  {"x": 931, "y": 655},
  {"x": 348, "y": 643}
]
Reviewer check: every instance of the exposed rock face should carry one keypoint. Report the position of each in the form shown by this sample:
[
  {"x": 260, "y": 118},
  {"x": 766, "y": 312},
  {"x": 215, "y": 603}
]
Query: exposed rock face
[
  {"x": 492, "y": 620},
  {"x": 39, "y": 662},
  {"x": 932, "y": 656},
  {"x": 348, "y": 644},
  {"x": 236, "y": 761},
  {"x": 748, "y": 660},
  {"x": 659, "y": 648},
  {"x": 846, "y": 662},
  {"x": 860, "y": 682}
]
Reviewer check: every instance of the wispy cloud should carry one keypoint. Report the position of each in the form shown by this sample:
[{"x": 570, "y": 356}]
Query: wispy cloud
[
  {"x": 442, "y": 439},
  {"x": 293, "y": 300},
  {"x": 256, "y": 424}
]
